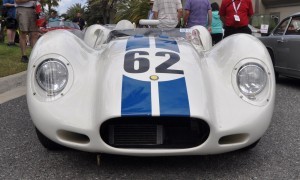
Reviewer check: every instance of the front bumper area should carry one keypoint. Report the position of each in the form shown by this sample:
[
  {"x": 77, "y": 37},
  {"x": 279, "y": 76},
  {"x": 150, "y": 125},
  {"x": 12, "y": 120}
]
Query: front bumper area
[{"x": 194, "y": 137}]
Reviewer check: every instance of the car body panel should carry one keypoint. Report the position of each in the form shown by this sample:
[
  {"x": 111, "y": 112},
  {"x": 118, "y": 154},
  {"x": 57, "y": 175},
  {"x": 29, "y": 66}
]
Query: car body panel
[
  {"x": 104, "y": 84},
  {"x": 283, "y": 44}
]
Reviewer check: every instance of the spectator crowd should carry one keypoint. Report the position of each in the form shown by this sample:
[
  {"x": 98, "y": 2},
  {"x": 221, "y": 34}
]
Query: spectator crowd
[{"x": 231, "y": 17}]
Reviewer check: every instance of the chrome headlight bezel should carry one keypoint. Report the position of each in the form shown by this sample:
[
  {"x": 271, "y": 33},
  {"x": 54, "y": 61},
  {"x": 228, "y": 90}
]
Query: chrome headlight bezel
[
  {"x": 41, "y": 93},
  {"x": 47, "y": 74},
  {"x": 262, "y": 96},
  {"x": 250, "y": 89}
]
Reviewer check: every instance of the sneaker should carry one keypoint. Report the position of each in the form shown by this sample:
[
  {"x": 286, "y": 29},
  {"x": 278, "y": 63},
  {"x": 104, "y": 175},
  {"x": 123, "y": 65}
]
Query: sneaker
[
  {"x": 24, "y": 59},
  {"x": 11, "y": 44}
]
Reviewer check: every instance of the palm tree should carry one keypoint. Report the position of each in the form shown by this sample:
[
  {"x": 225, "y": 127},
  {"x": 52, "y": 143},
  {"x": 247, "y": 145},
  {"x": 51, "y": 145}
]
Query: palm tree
[
  {"x": 101, "y": 10},
  {"x": 132, "y": 10},
  {"x": 74, "y": 9},
  {"x": 50, "y": 4}
]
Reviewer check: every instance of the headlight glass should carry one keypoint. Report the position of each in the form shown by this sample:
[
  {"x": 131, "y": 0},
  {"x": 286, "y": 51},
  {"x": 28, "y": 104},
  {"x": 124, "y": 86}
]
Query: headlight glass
[
  {"x": 251, "y": 79},
  {"x": 52, "y": 76}
]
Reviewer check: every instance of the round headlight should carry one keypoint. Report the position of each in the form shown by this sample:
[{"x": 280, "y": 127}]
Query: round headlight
[
  {"x": 52, "y": 76},
  {"x": 251, "y": 79}
]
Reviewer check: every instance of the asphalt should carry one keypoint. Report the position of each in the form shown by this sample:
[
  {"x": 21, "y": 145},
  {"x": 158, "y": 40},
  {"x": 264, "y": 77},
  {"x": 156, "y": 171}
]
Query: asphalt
[{"x": 12, "y": 86}]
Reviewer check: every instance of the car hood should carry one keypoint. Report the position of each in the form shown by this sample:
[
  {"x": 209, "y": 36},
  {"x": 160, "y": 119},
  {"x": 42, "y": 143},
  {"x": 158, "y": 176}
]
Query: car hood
[{"x": 152, "y": 77}]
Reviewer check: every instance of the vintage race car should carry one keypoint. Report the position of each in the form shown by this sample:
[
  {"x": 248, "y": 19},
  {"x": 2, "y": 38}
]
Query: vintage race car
[{"x": 149, "y": 92}]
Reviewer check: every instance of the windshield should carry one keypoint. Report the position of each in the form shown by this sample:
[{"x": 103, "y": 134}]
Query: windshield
[
  {"x": 54, "y": 24},
  {"x": 175, "y": 33}
]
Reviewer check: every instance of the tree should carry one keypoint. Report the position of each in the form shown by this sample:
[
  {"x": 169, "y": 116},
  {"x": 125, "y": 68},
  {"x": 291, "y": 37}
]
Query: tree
[
  {"x": 94, "y": 14},
  {"x": 101, "y": 11},
  {"x": 50, "y": 4},
  {"x": 132, "y": 10},
  {"x": 74, "y": 9}
]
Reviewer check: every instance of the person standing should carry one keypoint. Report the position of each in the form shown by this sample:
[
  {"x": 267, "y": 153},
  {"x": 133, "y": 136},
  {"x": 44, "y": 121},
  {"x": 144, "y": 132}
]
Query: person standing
[
  {"x": 26, "y": 17},
  {"x": 78, "y": 20},
  {"x": 236, "y": 15},
  {"x": 216, "y": 24},
  {"x": 53, "y": 17},
  {"x": 168, "y": 12},
  {"x": 11, "y": 22},
  {"x": 198, "y": 12},
  {"x": 150, "y": 13}
]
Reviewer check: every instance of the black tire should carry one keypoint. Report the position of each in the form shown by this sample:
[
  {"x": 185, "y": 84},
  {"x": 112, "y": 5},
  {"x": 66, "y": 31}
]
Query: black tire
[
  {"x": 47, "y": 143},
  {"x": 251, "y": 146}
]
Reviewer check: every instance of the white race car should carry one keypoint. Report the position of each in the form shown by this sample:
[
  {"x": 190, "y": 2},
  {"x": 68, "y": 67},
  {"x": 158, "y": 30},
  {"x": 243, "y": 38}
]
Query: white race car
[{"x": 149, "y": 92}]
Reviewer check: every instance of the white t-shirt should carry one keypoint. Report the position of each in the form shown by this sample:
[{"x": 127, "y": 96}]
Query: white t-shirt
[{"x": 167, "y": 12}]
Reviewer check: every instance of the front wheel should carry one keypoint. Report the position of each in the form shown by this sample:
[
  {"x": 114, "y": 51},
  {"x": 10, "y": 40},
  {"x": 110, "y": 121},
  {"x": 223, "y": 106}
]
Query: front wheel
[
  {"x": 251, "y": 146},
  {"x": 47, "y": 143}
]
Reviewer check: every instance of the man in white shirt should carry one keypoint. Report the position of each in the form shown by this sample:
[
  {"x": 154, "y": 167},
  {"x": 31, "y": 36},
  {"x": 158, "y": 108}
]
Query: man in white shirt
[{"x": 168, "y": 12}]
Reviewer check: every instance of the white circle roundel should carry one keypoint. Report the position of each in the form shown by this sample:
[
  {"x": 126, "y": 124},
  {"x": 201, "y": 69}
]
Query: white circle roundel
[{"x": 157, "y": 64}]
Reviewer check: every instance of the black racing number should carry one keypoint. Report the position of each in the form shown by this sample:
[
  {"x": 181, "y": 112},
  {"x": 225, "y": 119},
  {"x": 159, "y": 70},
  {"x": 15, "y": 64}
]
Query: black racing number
[
  {"x": 133, "y": 64},
  {"x": 136, "y": 65},
  {"x": 164, "y": 67}
]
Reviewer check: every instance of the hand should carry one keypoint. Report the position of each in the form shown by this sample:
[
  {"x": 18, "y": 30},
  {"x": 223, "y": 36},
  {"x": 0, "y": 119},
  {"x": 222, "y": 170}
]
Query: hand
[{"x": 209, "y": 28}]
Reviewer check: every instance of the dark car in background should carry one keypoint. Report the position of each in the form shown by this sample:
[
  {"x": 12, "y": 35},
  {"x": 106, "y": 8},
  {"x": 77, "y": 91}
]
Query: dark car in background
[{"x": 283, "y": 44}]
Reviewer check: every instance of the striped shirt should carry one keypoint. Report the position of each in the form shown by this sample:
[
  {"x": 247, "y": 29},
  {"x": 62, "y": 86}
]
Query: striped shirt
[{"x": 167, "y": 12}]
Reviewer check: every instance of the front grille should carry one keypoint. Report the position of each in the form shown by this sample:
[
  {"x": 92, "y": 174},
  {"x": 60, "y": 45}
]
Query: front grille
[
  {"x": 133, "y": 134},
  {"x": 154, "y": 132}
]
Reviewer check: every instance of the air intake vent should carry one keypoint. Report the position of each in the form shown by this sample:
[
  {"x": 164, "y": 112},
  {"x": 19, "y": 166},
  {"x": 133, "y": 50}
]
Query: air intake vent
[
  {"x": 133, "y": 135},
  {"x": 154, "y": 132}
]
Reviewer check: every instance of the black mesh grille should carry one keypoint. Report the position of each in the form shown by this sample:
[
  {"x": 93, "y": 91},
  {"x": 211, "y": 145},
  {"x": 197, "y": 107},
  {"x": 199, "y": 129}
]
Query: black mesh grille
[
  {"x": 133, "y": 134},
  {"x": 154, "y": 132}
]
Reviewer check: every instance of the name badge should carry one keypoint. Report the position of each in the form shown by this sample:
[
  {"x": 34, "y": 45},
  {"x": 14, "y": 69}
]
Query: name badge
[{"x": 237, "y": 18}]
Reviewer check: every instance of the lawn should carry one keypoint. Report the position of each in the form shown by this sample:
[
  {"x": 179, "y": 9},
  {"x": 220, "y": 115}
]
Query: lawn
[{"x": 10, "y": 60}]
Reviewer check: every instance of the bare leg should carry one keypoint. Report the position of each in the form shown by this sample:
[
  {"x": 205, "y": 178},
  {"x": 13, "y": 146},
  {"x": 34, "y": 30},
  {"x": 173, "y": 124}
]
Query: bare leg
[
  {"x": 23, "y": 42},
  {"x": 13, "y": 35},
  {"x": 34, "y": 37},
  {"x": 9, "y": 34}
]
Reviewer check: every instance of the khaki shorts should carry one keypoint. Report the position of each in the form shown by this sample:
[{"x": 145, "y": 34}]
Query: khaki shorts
[{"x": 27, "y": 19}]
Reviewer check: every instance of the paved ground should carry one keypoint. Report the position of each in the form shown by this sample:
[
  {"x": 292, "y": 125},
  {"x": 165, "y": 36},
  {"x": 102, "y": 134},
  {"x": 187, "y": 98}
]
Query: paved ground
[
  {"x": 277, "y": 156},
  {"x": 12, "y": 86}
]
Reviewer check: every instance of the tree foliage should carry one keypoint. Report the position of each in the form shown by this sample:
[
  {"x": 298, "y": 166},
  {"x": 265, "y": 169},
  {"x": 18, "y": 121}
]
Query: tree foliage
[
  {"x": 74, "y": 9},
  {"x": 132, "y": 10},
  {"x": 50, "y": 4},
  {"x": 101, "y": 11}
]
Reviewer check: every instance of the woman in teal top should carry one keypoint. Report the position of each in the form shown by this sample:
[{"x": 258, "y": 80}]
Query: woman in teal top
[{"x": 216, "y": 25}]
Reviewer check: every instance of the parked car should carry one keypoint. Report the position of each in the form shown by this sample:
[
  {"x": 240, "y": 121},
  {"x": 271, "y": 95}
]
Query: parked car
[
  {"x": 255, "y": 32},
  {"x": 150, "y": 92},
  {"x": 283, "y": 45}
]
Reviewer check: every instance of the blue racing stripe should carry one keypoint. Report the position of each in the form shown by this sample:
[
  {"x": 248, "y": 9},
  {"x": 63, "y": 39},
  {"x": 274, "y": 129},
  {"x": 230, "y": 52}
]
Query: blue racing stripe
[
  {"x": 136, "y": 97},
  {"x": 173, "y": 98},
  {"x": 168, "y": 44},
  {"x": 136, "y": 42}
]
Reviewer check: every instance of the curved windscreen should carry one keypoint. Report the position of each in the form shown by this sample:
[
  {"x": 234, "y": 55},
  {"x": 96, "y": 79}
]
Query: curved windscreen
[
  {"x": 178, "y": 33},
  {"x": 55, "y": 24}
]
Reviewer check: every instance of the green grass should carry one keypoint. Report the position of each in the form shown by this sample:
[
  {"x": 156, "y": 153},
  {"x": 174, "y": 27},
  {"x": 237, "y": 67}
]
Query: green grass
[{"x": 10, "y": 60}]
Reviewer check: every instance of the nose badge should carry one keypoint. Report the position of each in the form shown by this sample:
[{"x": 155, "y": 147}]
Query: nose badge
[{"x": 154, "y": 78}]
